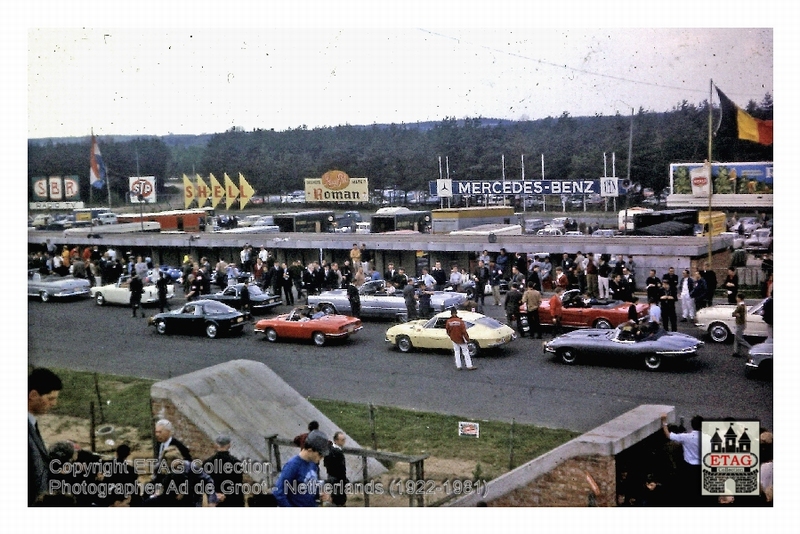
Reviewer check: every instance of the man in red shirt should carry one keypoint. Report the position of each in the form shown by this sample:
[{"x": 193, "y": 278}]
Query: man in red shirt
[
  {"x": 556, "y": 311},
  {"x": 457, "y": 330}
]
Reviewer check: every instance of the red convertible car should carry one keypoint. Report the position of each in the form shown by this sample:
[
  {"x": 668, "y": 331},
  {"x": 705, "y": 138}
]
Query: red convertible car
[
  {"x": 582, "y": 313},
  {"x": 305, "y": 323}
]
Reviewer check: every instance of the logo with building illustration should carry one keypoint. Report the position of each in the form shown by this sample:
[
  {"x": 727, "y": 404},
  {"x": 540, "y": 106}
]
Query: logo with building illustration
[{"x": 730, "y": 457}]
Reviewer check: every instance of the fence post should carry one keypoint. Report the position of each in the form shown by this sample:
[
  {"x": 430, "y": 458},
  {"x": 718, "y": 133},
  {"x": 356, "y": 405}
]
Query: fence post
[
  {"x": 364, "y": 478},
  {"x": 372, "y": 426},
  {"x": 92, "y": 427},
  {"x": 511, "y": 447}
]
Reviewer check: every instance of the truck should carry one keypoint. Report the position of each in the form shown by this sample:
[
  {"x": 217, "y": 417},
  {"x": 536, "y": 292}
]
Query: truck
[{"x": 87, "y": 215}]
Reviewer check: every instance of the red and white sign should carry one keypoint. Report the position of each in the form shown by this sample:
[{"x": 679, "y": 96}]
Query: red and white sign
[
  {"x": 701, "y": 181},
  {"x": 144, "y": 186}
]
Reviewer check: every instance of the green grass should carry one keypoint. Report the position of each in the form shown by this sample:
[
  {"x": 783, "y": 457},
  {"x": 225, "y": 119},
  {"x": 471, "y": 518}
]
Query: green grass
[
  {"x": 126, "y": 402},
  {"x": 412, "y": 432}
]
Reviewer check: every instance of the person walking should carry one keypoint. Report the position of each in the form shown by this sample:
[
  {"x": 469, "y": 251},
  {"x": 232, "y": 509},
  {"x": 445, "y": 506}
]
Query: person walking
[
  {"x": 556, "y": 311},
  {"x": 162, "y": 287},
  {"x": 137, "y": 289},
  {"x": 667, "y": 299},
  {"x": 532, "y": 300},
  {"x": 740, "y": 314},
  {"x": 457, "y": 330},
  {"x": 511, "y": 304}
]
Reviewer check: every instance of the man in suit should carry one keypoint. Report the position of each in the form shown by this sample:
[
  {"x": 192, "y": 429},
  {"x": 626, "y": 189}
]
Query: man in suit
[
  {"x": 165, "y": 439},
  {"x": 43, "y": 389}
]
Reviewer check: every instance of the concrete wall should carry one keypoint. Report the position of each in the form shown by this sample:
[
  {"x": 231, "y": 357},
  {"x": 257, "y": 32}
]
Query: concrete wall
[
  {"x": 558, "y": 477},
  {"x": 248, "y": 401}
]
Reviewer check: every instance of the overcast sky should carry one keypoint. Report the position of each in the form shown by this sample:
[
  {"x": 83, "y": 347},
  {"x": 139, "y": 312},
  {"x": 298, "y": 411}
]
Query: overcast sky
[{"x": 126, "y": 81}]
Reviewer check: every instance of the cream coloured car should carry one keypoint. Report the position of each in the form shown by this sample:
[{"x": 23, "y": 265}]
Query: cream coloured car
[
  {"x": 720, "y": 325},
  {"x": 120, "y": 293}
]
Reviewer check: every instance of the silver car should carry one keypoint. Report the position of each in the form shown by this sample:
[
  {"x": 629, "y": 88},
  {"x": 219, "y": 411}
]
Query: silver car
[
  {"x": 54, "y": 286},
  {"x": 377, "y": 303}
]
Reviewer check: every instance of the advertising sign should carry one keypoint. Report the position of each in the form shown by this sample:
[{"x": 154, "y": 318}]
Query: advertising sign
[
  {"x": 144, "y": 186},
  {"x": 520, "y": 187},
  {"x": 336, "y": 186}
]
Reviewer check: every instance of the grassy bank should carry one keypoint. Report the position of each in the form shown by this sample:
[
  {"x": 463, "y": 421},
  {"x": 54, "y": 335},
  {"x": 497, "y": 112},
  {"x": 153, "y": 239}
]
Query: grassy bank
[{"x": 125, "y": 401}]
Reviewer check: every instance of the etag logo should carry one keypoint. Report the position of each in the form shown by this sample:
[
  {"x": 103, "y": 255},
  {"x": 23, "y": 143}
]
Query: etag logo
[{"x": 730, "y": 457}]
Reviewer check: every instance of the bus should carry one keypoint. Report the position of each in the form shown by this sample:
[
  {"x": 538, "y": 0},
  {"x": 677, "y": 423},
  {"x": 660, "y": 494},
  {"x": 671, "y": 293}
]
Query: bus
[
  {"x": 320, "y": 221},
  {"x": 400, "y": 219},
  {"x": 627, "y": 224},
  {"x": 193, "y": 220}
]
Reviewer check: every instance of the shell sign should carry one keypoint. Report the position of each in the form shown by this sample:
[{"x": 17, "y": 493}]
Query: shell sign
[{"x": 336, "y": 186}]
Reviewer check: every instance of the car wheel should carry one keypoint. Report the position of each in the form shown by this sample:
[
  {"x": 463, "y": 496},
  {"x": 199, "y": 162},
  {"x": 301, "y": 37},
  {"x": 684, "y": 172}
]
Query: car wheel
[
  {"x": 319, "y": 338},
  {"x": 211, "y": 330},
  {"x": 473, "y": 348},
  {"x": 271, "y": 335},
  {"x": 328, "y": 309},
  {"x": 161, "y": 327},
  {"x": 602, "y": 323},
  {"x": 404, "y": 344},
  {"x": 652, "y": 361},
  {"x": 568, "y": 356},
  {"x": 719, "y": 332},
  {"x": 99, "y": 299},
  {"x": 44, "y": 295}
]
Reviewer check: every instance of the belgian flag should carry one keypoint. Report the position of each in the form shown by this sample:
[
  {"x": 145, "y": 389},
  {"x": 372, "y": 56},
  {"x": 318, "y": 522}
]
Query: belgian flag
[{"x": 735, "y": 122}]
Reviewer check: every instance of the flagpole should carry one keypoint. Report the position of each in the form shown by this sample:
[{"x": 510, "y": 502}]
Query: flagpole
[{"x": 710, "y": 180}]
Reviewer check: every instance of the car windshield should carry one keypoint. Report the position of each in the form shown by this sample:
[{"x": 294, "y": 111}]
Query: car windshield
[
  {"x": 254, "y": 290},
  {"x": 488, "y": 322},
  {"x": 216, "y": 308},
  {"x": 637, "y": 332}
]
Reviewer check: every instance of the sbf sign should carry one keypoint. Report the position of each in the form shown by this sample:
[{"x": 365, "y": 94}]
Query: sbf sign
[{"x": 142, "y": 187}]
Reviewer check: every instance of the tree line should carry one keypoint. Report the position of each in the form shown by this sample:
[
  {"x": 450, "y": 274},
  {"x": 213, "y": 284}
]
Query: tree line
[{"x": 406, "y": 156}]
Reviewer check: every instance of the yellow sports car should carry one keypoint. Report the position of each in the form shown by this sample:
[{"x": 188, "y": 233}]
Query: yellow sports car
[{"x": 484, "y": 332}]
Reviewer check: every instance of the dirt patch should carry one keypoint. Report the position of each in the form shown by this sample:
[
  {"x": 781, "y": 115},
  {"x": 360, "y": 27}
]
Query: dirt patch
[{"x": 56, "y": 428}]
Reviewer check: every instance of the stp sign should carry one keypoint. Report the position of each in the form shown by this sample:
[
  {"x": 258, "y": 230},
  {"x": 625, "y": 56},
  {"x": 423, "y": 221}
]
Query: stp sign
[{"x": 144, "y": 186}]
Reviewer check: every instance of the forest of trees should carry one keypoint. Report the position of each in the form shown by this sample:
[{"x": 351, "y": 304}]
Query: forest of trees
[{"x": 406, "y": 155}]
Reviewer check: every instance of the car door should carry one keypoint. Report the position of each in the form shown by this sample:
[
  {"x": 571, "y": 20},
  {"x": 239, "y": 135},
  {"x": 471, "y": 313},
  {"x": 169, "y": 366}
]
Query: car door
[
  {"x": 755, "y": 321},
  {"x": 119, "y": 292},
  {"x": 433, "y": 335},
  {"x": 230, "y": 296}
]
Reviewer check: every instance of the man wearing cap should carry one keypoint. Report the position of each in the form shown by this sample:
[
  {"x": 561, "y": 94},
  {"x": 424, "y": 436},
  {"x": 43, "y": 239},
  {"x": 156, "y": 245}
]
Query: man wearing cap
[
  {"x": 299, "y": 484},
  {"x": 222, "y": 467},
  {"x": 457, "y": 330}
]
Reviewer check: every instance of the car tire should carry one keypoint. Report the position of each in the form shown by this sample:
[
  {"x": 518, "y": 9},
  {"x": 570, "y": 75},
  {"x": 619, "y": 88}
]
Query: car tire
[
  {"x": 99, "y": 299},
  {"x": 568, "y": 356},
  {"x": 719, "y": 333},
  {"x": 44, "y": 295},
  {"x": 211, "y": 330},
  {"x": 652, "y": 362},
  {"x": 603, "y": 324},
  {"x": 271, "y": 335},
  {"x": 318, "y": 338},
  {"x": 404, "y": 344},
  {"x": 328, "y": 309},
  {"x": 473, "y": 348},
  {"x": 161, "y": 327}
]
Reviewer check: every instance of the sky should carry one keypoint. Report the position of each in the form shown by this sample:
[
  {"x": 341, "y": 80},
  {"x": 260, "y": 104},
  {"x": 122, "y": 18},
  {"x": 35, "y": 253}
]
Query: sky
[{"x": 192, "y": 81}]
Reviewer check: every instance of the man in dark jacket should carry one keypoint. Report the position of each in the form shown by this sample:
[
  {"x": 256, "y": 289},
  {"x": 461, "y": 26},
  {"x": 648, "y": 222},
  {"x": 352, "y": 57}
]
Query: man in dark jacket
[
  {"x": 512, "y": 302},
  {"x": 137, "y": 289},
  {"x": 700, "y": 291},
  {"x": 337, "y": 469},
  {"x": 222, "y": 467}
]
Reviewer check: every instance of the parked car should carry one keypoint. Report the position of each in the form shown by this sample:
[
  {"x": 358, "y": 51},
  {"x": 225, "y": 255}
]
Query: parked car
[
  {"x": 759, "y": 360},
  {"x": 748, "y": 225},
  {"x": 303, "y": 323},
  {"x": 604, "y": 232},
  {"x": 649, "y": 344},
  {"x": 172, "y": 273},
  {"x": 120, "y": 293},
  {"x": 207, "y": 317},
  {"x": 737, "y": 241},
  {"x": 759, "y": 241},
  {"x": 719, "y": 323},
  {"x": 550, "y": 231},
  {"x": 484, "y": 332},
  {"x": 259, "y": 301},
  {"x": 55, "y": 286},
  {"x": 592, "y": 313},
  {"x": 376, "y": 303}
]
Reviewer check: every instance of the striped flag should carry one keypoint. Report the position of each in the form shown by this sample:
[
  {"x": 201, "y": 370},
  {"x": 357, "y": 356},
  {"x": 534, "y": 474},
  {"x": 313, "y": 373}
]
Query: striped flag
[
  {"x": 735, "y": 122},
  {"x": 97, "y": 169}
]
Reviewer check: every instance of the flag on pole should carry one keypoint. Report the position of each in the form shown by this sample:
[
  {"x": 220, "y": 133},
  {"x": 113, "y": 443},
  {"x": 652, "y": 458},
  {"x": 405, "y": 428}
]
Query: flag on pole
[
  {"x": 735, "y": 122},
  {"x": 97, "y": 169}
]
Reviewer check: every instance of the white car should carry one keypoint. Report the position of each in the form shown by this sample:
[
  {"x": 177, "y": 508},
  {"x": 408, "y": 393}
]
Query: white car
[
  {"x": 120, "y": 293},
  {"x": 737, "y": 240},
  {"x": 718, "y": 321},
  {"x": 759, "y": 241},
  {"x": 550, "y": 230}
]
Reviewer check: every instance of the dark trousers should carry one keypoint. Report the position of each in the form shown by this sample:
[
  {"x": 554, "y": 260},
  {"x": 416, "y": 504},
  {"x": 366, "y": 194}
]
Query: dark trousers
[
  {"x": 669, "y": 317},
  {"x": 533, "y": 323},
  {"x": 480, "y": 295}
]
